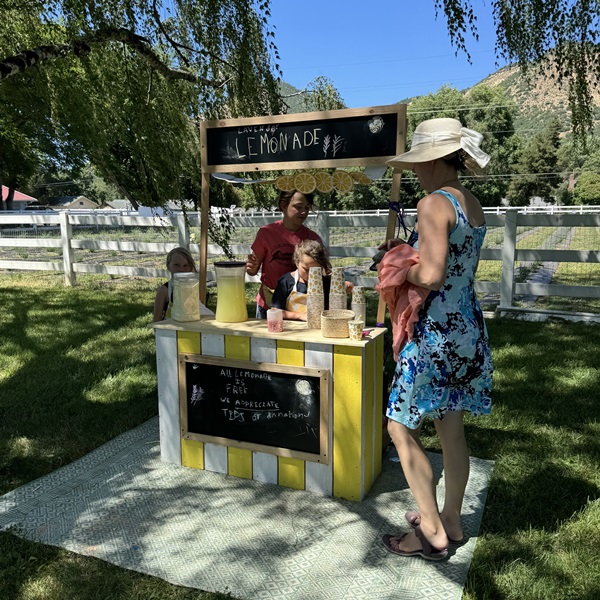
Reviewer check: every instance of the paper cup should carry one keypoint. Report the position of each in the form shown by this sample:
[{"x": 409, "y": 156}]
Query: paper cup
[
  {"x": 315, "y": 303},
  {"x": 358, "y": 295},
  {"x": 337, "y": 301},
  {"x": 275, "y": 320},
  {"x": 360, "y": 311},
  {"x": 315, "y": 281},
  {"x": 355, "y": 329},
  {"x": 337, "y": 281}
]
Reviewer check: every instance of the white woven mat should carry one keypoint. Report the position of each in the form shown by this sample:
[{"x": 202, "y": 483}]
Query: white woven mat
[{"x": 255, "y": 540}]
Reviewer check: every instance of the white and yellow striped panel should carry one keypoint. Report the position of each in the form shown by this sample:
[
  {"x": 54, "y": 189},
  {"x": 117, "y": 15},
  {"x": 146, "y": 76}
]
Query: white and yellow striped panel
[{"x": 355, "y": 415}]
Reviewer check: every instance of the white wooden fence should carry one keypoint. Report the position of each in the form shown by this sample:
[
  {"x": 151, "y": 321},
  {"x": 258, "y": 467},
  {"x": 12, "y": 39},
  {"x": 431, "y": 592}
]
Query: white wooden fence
[{"x": 322, "y": 222}]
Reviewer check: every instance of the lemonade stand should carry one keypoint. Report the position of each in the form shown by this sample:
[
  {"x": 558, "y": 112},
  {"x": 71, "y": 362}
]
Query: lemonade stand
[{"x": 290, "y": 407}]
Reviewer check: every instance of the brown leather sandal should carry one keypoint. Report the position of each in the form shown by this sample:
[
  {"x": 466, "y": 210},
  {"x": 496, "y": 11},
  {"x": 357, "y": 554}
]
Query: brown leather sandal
[
  {"x": 427, "y": 551},
  {"x": 413, "y": 518}
]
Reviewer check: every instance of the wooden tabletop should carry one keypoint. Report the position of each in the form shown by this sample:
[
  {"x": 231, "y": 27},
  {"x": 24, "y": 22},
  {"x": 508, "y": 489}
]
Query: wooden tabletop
[{"x": 292, "y": 330}]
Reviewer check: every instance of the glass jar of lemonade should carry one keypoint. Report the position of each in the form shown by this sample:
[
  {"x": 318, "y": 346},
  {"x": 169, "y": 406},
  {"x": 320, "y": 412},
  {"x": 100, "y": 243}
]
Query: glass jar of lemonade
[
  {"x": 231, "y": 297},
  {"x": 186, "y": 297}
]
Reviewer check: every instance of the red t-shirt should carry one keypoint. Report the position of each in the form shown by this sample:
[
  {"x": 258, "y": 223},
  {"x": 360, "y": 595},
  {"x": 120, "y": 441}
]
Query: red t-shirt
[{"x": 276, "y": 244}]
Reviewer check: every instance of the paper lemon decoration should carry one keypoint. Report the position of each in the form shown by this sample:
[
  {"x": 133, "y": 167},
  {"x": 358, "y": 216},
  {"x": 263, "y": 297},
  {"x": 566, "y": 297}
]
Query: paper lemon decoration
[
  {"x": 324, "y": 181},
  {"x": 360, "y": 178},
  {"x": 305, "y": 183},
  {"x": 285, "y": 183},
  {"x": 342, "y": 181}
]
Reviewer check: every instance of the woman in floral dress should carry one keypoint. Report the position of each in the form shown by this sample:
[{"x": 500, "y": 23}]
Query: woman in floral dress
[{"x": 446, "y": 368}]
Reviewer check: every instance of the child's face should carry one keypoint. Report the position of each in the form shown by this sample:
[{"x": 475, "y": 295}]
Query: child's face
[
  {"x": 180, "y": 264},
  {"x": 297, "y": 210},
  {"x": 305, "y": 265}
]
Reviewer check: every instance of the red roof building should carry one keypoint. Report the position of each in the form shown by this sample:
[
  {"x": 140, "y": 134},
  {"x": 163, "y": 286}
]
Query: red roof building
[{"x": 20, "y": 200}]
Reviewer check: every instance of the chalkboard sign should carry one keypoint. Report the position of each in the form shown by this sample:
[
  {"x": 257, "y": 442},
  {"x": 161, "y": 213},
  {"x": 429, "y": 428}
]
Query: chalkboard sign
[
  {"x": 326, "y": 139},
  {"x": 267, "y": 407}
]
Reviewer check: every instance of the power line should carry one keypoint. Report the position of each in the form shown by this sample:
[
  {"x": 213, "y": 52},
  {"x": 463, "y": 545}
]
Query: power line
[
  {"x": 464, "y": 107},
  {"x": 395, "y": 60}
]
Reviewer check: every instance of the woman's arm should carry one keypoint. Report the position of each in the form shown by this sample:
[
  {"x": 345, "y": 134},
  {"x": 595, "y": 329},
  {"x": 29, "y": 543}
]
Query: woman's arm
[
  {"x": 436, "y": 219},
  {"x": 162, "y": 297}
]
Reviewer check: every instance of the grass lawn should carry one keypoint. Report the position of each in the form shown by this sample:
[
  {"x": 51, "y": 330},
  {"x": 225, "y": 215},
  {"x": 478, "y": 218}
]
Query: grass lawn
[{"x": 77, "y": 368}]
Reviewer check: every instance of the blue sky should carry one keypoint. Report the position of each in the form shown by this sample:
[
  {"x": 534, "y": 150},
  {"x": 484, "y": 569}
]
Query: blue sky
[{"x": 378, "y": 52}]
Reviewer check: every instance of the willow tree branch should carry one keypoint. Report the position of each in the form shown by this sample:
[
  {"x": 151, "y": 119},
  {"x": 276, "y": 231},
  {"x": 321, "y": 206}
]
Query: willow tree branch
[
  {"x": 81, "y": 47},
  {"x": 171, "y": 41}
]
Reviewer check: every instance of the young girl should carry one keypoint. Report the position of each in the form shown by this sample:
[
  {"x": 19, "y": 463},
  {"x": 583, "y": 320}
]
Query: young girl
[
  {"x": 273, "y": 248},
  {"x": 179, "y": 260},
  {"x": 290, "y": 293}
]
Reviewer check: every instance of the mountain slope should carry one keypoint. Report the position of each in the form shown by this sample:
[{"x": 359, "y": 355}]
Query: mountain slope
[{"x": 539, "y": 97}]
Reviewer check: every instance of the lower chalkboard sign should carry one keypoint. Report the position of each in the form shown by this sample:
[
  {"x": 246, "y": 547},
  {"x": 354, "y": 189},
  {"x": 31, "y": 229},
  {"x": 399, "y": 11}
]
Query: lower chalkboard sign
[{"x": 260, "y": 406}]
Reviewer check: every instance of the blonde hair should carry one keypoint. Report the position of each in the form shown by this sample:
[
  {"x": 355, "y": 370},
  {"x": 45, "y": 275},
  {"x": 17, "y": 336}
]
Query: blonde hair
[
  {"x": 183, "y": 252},
  {"x": 314, "y": 250}
]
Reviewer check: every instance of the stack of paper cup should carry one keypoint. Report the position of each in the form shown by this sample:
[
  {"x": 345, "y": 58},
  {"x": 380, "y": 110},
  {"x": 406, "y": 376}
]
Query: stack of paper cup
[
  {"x": 337, "y": 281},
  {"x": 337, "y": 301},
  {"x": 359, "y": 304},
  {"x": 358, "y": 295},
  {"x": 315, "y": 281},
  {"x": 315, "y": 298},
  {"x": 337, "y": 291}
]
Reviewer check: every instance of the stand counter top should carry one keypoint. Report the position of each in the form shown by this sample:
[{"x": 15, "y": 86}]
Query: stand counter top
[{"x": 292, "y": 330}]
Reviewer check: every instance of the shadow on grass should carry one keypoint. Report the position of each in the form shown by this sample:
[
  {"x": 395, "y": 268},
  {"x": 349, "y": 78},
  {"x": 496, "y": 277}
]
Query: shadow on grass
[
  {"x": 545, "y": 395},
  {"x": 82, "y": 372},
  {"x": 70, "y": 576}
]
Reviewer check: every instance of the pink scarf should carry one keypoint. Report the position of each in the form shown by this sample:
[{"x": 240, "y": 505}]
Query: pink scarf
[{"x": 403, "y": 298}]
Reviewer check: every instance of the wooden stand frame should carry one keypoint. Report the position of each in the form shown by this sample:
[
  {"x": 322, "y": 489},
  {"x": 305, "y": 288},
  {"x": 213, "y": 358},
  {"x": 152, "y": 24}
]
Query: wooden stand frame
[
  {"x": 259, "y": 125},
  {"x": 354, "y": 407}
]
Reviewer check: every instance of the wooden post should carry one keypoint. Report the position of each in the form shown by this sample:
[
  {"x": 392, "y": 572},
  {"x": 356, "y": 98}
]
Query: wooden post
[
  {"x": 390, "y": 232},
  {"x": 183, "y": 231},
  {"x": 67, "y": 251},
  {"x": 203, "y": 242},
  {"x": 322, "y": 227},
  {"x": 395, "y": 193},
  {"x": 509, "y": 247}
]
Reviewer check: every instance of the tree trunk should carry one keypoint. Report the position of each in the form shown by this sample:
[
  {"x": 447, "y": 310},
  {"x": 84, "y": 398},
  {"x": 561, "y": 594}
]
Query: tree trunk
[{"x": 10, "y": 198}]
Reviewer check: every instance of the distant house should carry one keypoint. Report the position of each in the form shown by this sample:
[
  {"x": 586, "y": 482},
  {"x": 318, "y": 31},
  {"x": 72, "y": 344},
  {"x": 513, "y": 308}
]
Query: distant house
[
  {"x": 117, "y": 205},
  {"x": 71, "y": 202},
  {"x": 20, "y": 201}
]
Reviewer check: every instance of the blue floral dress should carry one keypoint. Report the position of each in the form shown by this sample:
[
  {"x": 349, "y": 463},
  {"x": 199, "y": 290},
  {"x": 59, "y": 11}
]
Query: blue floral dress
[{"x": 447, "y": 366}]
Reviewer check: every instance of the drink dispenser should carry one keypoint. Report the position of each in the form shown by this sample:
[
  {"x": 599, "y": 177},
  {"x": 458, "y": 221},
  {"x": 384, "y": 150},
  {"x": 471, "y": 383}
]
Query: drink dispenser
[
  {"x": 186, "y": 301},
  {"x": 231, "y": 298}
]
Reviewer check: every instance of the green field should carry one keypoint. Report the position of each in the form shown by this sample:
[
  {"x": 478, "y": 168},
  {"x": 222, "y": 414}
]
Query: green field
[{"x": 77, "y": 368}]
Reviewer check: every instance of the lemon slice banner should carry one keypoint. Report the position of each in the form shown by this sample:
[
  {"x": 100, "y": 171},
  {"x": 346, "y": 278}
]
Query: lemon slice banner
[
  {"x": 360, "y": 178},
  {"x": 342, "y": 181},
  {"x": 305, "y": 183},
  {"x": 324, "y": 181},
  {"x": 285, "y": 183}
]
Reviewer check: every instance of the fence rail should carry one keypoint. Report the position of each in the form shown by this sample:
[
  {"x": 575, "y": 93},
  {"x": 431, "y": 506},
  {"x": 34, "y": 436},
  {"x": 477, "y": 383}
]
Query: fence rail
[{"x": 516, "y": 249}]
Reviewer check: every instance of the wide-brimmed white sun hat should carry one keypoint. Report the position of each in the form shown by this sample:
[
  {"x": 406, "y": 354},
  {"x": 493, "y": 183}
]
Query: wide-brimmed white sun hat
[{"x": 436, "y": 138}]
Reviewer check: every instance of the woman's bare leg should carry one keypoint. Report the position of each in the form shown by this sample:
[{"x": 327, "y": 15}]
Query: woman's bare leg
[
  {"x": 419, "y": 475},
  {"x": 456, "y": 469}
]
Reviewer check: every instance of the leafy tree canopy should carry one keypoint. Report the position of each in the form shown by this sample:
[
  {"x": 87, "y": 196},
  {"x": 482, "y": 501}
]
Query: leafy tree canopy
[
  {"x": 535, "y": 32},
  {"x": 587, "y": 189},
  {"x": 485, "y": 109},
  {"x": 122, "y": 83},
  {"x": 537, "y": 168}
]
